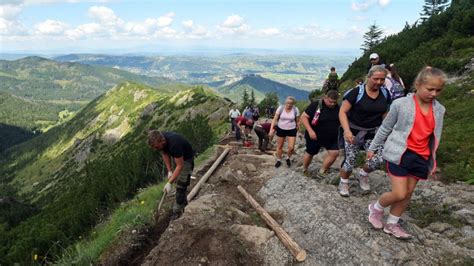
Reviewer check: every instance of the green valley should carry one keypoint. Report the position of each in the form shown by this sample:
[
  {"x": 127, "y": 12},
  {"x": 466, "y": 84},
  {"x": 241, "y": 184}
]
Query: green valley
[{"x": 99, "y": 156}]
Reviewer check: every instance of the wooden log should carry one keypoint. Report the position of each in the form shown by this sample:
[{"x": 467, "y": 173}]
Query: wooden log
[
  {"x": 288, "y": 242},
  {"x": 209, "y": 172}
]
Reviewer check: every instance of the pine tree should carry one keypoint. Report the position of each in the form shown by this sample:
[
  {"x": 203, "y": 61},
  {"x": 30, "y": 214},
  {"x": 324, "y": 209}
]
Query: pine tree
[
  {"x": 245, "y": 99},
  {"x": 252, "y": 98},
  {"x": 372, "y": 37},
  {"x": 433, "y": 7}
]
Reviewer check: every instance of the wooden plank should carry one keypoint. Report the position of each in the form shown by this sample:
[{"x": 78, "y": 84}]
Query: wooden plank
[{"x": 288, "y": 242}]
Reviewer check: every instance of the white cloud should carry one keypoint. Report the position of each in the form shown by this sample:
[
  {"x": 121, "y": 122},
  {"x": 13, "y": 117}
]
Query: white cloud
[
  {"x": 105, "y": 16},
  {"x": 50, "y": 27},
  {"x": 233, "y": 21},
  {"x": 12, "y": 28},
  {"x": 188, "y": 24},
  {"x": 81, "y": 31},
  {"x": 233, "y": 24},
  {"x": 166, "y": 20},
  {"x": 267, "y": 32},
  {"x": 362, "y": 5},
  {"x": 383, "y": 3},
  {"x": 10, "y": 12}
]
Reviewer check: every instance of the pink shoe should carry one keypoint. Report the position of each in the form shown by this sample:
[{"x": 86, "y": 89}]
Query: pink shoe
[
  {"x": 397, "y": 231},
  {"x": 375, "y": 217}
]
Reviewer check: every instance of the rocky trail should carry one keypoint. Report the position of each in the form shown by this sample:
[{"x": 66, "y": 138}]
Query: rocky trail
[{"x": 219, "y": 227}]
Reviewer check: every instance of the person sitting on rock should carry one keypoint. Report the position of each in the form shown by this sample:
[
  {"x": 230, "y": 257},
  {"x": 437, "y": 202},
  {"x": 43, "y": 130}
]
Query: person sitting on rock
[
  {"x": 286, "y": 122},
  {"x": 361, "y": 113},
  {"x": 410, "y": 135},
  {"x": 171, "y": 144},
  {"x": 321, "y": 120},
  {"x": 262, "y": 130}
]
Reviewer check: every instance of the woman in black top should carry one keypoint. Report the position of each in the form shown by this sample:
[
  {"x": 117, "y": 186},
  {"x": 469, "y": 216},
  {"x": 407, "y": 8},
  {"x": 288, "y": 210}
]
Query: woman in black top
[{"x": 361, "y": 113}]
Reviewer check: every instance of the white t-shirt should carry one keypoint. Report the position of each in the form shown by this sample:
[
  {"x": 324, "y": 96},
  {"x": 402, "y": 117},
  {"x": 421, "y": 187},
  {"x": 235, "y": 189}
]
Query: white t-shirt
[
  {"x": 234, "y": 113},
  {"x": 287, "y": 119}
]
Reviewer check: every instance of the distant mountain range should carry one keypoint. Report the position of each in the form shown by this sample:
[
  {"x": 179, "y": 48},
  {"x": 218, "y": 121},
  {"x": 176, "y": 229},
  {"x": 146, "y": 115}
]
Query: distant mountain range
[
  {"x": 261, "y": 86},
  {"x": 305, "y": 72}
]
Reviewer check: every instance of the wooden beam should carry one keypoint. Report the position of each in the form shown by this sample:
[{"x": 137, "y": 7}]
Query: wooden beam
[
  {"x": 288, "y": 242},
  {"x": 209, "y": 172}
]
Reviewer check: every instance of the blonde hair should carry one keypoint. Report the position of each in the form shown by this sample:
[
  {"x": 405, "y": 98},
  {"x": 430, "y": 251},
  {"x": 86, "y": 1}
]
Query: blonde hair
[
  {"x": 291, "y": 98},
  {"x": 428, "y": 73},
  {"x": 155, "y": 136}
]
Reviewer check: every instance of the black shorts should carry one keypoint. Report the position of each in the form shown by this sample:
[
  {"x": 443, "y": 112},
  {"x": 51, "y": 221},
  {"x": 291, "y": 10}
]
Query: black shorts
[
  {"x": 286, "y": 133},
  {"x": 411, "y": 165},
  {"x": 313, "y": 146}
]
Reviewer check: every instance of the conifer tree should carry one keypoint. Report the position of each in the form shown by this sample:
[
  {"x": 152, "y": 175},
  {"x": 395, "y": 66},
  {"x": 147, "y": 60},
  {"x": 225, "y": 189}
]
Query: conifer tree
[
  {"x": 245, "y": 99},
  {"x": 433, "y": 7},
  {"x": 252, "y": 98},
  {"x": 372, "y": 37}
]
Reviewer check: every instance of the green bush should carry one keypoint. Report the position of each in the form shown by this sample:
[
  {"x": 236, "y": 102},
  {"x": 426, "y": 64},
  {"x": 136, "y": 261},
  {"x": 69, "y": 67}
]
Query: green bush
[{"x": 198, "y": 132}]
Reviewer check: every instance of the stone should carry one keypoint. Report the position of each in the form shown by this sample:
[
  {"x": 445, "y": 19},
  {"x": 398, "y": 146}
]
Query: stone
[
  {"x": 252, "y": 234},
  {"x": 439, "y": 227},
  {"x": 251, "y": 167}
]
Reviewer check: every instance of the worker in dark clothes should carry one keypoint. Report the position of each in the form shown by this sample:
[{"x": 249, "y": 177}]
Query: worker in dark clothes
[
  {"x": 172, "y": 145},
  {"x": 262, "y": 130}
]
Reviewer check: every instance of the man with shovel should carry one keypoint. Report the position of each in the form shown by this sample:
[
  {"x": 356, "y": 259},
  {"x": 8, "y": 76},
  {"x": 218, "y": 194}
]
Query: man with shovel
[{"x": 171, "y": 144}]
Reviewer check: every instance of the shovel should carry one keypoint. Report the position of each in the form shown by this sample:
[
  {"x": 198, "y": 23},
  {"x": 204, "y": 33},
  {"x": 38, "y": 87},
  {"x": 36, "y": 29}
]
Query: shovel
[{"x": 157, "y": 214}]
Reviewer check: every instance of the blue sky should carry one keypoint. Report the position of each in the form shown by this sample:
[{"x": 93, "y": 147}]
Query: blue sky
[{"x": 148, "y": 26}]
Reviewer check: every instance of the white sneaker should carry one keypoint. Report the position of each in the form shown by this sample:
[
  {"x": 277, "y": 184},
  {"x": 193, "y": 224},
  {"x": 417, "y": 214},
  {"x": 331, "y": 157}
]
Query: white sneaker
[
  {"x": 344, "y": 189},
  {"x": 363, "y": 182}
]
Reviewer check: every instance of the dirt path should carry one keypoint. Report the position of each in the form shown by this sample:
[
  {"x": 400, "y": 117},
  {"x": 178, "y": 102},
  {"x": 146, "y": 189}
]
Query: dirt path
[{"x": 220, "y": 228}]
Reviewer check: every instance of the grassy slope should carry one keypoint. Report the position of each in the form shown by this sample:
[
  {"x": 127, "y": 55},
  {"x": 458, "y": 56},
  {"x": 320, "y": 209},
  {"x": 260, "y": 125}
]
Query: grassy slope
[
  {"x": 135, "y": 213},
  {"x": 46, "y": 173}
]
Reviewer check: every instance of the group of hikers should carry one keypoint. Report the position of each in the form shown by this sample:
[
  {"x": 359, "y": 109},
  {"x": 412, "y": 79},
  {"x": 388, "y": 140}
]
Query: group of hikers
[{"x": 401, "y": 130}]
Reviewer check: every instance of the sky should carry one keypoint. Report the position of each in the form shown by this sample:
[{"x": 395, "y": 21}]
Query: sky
[{"x": 50, "y": 26}]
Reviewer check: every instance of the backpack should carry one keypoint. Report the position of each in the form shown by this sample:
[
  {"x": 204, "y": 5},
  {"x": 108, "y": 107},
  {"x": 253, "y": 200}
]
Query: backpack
[
  {"x": 361, "y": 89},
  {"x": 397, "y": 90},
  {"x": 332, "y": 82}
]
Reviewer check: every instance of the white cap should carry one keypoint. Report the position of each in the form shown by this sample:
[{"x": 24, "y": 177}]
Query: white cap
[{"x": 373, "y": 56}]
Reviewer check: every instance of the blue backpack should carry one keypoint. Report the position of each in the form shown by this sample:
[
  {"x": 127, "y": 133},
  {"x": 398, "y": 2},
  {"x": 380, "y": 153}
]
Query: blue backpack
[{"x": 361, "y": 88}]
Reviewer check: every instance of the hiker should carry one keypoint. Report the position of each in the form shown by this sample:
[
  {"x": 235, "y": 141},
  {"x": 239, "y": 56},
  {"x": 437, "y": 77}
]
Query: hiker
[
  {"x": 239, "y": 122},
  {"x": 394, "y": 82},
  {"x": 410, "y": 135},
  {"x": 233, "y": 114},
  {"x": 362, "y": 111},
  {"x": 286, "y": 123},
  {"x": 262, "y": 130},
  {"x": 332, "y": 81},
  {"x": 321, "y": 120},
  {"x": 173, "y": 145},
  {"x": 255, "y": 114},
  {"x": 374, "y": 60},
  {"x": 248, "y": 112}
]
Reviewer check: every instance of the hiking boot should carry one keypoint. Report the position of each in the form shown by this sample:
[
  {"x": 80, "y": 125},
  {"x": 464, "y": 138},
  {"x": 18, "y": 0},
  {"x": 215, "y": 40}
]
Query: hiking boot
[
  {"x": 322, "y": 174},
  {"x": 288, "y": 162},
  {"x": 306, "y": 173},
  {"x": 397, "y": 231},
  {"x": 175, "y": 215},
  {"x": 375, "y": 217},
  {"x": 363, "y": 182},
  {"x": 278, "y": 164},
  {"x": 344, "y": 189}
]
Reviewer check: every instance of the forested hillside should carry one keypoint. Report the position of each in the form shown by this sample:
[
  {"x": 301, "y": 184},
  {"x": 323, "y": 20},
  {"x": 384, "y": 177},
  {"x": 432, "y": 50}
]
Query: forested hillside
[
  {"x": 69, "y": 177},
  {"x": 261, "y": 86},
  {"x": 445, "y": 41}
]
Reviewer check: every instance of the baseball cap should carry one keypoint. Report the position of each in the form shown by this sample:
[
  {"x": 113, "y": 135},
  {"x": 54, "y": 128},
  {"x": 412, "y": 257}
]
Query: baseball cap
[{"x": 373, "y": 56}]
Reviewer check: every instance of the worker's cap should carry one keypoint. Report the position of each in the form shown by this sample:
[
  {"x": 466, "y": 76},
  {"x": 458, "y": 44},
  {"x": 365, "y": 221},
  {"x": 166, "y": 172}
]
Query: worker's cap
[{"x": 373, "y": 56}]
